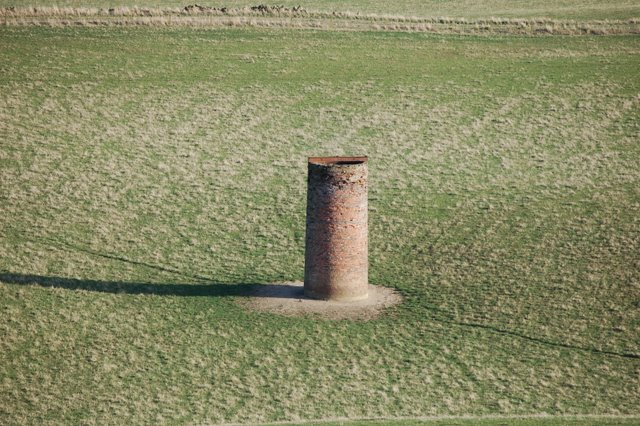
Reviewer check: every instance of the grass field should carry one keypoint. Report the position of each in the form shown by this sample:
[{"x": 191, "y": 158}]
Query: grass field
[{"x": 150, "y": 177}]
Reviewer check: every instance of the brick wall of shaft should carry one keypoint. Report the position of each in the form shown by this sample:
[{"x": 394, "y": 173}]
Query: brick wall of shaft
[{"x": 336, "y": 252}]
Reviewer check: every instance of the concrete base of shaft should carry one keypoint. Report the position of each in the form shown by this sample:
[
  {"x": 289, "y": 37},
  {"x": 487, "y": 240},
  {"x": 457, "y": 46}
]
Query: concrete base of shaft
[
  {"x": 338, "y": 298},
  {"x": 289, "y": 299}
]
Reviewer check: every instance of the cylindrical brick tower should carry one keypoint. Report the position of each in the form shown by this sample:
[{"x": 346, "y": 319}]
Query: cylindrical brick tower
[{"x": 336, "y": 247}]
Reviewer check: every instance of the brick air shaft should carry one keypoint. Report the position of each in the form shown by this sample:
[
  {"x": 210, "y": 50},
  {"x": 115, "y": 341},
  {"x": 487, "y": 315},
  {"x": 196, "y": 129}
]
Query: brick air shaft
[{"x": 336, "y": 263}]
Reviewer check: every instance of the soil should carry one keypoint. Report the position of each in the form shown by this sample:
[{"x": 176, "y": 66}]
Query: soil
[{"x": 288, "y": 299}]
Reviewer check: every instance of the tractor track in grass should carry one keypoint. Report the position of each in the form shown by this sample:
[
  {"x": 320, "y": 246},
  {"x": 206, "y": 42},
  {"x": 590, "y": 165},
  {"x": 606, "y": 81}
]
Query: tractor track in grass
[{"x": 628, "y": 355}]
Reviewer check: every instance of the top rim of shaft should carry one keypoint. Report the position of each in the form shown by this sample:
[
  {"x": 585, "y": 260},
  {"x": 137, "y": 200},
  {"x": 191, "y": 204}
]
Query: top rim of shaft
[{"x": 338, "y": 161}]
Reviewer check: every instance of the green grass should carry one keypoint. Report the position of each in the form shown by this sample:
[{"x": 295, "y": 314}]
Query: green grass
[
  {"x": 561, "y": 9},
  {"x": 150, "y": 176}
]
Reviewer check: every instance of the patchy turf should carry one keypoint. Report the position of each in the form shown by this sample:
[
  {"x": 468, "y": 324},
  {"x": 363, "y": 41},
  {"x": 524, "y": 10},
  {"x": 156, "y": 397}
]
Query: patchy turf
[{"x": 151, "y": 177}]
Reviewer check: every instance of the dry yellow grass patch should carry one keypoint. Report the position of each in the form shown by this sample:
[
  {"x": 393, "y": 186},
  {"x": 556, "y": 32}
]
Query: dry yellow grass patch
[{"x": 285, "y": 17}]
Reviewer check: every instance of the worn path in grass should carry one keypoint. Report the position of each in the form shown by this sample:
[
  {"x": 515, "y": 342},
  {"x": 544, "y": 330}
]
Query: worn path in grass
[{"x": 149, "y": 176}]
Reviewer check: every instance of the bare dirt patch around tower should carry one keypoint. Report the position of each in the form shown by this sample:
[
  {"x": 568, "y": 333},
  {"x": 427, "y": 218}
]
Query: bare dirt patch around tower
[{"x": 288, "y": 299}]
